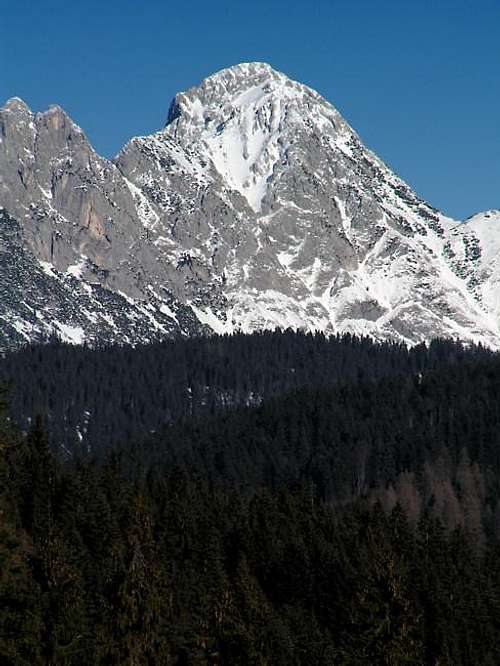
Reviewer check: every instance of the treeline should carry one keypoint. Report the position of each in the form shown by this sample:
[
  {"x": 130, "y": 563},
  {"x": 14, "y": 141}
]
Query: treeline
[
  {"x": 93, "y": 399},
  {"x": 100, "y": 567}
]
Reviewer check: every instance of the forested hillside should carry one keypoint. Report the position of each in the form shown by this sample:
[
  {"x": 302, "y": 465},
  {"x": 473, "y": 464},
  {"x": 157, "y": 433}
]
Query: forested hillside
[
  {"x": 356, "y": 419},
  {"x": 167, "y": 569},
  {"x": 94, "y": 399},
  {"x": 270, "y": 499}
]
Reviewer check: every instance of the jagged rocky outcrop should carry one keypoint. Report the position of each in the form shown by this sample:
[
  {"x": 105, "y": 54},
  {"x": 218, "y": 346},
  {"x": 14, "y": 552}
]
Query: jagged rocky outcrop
[
  {"x": 256, "y": 206},
  {"x": 37, "y": 302}
]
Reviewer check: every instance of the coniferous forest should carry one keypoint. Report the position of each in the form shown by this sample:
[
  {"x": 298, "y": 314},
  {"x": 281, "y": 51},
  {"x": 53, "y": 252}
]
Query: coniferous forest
[{"x": 279, "y": 498}]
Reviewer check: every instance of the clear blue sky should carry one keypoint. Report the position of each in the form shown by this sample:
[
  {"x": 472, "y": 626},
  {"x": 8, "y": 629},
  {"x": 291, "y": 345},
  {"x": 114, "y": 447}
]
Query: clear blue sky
[{"x": 419, "y": 80}]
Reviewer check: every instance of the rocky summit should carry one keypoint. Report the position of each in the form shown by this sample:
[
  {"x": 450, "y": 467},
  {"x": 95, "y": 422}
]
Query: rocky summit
[{"x": 255, "y": 207}]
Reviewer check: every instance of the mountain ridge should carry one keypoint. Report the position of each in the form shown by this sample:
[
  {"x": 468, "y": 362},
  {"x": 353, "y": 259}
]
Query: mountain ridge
[{"x": 256, "y": 206}]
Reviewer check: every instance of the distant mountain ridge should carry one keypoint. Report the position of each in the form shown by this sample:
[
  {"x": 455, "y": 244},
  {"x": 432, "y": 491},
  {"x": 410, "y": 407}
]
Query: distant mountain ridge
[{"x": 257, "y": 206}]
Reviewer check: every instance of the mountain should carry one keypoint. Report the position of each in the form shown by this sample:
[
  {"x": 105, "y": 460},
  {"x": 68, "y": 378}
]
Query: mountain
[{"x": 257, "y": 206}]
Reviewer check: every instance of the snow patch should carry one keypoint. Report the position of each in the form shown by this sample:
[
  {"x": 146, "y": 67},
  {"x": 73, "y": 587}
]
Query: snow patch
[
  {"x": 76, "y": 270},
  {"x": 73, "y": 334}
]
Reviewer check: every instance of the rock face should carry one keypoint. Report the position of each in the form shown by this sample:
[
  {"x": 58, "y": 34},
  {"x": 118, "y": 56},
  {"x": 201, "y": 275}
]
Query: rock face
[{"x": 256, "y": 206}]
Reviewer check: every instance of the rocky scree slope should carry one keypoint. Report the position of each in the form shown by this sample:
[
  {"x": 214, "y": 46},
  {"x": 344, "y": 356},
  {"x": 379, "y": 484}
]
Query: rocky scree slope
[{"x": 256, "y": 207}]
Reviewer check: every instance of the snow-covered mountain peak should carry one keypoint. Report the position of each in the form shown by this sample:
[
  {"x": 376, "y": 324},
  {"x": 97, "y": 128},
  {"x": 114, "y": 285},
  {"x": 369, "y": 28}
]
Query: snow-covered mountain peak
[
  {"x": 237, "y": 89},
  {"x": 219, "y": 89},
  {"x": 16, "y": 120},
  {"x": 244, "y": 121},
  {"x": 486, "y": 228},
  {"x": 492, "y": 215},
  {"x": 256, "y": 206},
  {"x": 16, "y": 105}
]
